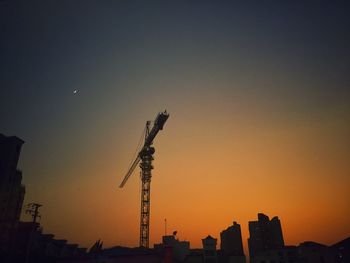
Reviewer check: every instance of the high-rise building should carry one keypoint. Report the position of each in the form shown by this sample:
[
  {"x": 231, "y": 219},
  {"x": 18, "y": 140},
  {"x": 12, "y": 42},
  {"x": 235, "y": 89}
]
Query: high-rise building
[
  {"x": 11, "y": 190},
  {"x": 209, "y": 249},
  {"x": 231, "y": 244},
  {"x": 231, "y": 241},
  {"x": 265, "y": 234}
]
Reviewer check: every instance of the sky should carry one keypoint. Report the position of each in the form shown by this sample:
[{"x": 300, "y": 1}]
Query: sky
[{"x": 258, "y": 95}]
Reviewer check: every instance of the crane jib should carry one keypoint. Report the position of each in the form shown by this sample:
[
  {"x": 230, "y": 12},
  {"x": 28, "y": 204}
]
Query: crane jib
[{"x": 158, "y": 125}]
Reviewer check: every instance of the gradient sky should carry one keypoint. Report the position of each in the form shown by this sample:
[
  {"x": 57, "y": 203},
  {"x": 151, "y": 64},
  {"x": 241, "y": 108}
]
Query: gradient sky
[{"x": 258, "y": 96}]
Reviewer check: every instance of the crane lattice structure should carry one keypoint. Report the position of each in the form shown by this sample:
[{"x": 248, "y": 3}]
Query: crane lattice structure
[{"x": 145, "y": 155}]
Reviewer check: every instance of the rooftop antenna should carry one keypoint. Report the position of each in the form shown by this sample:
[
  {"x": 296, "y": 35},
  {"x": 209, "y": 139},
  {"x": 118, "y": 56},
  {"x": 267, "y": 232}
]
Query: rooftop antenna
[{"x": 33, "y": 211}]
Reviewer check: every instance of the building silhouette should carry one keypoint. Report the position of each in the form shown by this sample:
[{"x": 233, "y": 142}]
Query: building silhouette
[
  {"x": 172, "y": 249},
  {"x": 33, "y": 246},
  {"x": 209, "y": 249},
  {"x": 231, "y": 244},
  {"x": 23, "y": 241},
  {"x": 310, "y": 251},
  {"x": 342, "y": 250},
  {"x": 11, "y": 191},
  {"x": 264, "y": 235}
]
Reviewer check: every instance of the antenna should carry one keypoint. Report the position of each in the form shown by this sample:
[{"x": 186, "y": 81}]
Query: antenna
[
  {"x": 165, "y": 227},
  {"x": 33, "y": 211}
]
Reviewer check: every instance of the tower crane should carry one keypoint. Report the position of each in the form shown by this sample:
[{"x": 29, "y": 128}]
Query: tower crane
[{"x": 145, "y": 156}]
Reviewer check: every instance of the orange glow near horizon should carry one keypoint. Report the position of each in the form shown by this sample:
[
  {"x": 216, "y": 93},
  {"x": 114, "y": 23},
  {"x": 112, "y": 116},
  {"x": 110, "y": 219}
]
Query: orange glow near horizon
[{"x": 207, "y": 175}]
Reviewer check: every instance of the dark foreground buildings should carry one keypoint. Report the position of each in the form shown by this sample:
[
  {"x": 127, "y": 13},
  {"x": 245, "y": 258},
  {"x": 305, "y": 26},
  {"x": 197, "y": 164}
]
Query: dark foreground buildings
[
  {"x": 266, "y": 245},
  {"x": 23, "y": 241},
  {"x": 265, "y": 234},
  {"x": 11, "y": 192}
]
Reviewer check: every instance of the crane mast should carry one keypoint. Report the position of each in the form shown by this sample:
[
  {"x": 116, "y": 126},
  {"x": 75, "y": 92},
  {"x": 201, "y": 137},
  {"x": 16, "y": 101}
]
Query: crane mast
[{"x": 146, "y": 158}]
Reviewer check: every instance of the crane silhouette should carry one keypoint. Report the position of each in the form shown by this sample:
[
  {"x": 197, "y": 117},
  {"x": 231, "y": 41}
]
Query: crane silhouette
[{"x": 145, "y": 155}]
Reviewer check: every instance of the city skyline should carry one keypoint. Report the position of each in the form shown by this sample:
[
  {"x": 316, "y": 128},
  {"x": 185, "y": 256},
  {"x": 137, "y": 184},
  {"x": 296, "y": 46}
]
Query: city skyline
[{"x": 259, "y": 104}]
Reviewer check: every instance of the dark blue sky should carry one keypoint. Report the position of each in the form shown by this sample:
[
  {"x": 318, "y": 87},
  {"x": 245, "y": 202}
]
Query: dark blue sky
[{"x": 50, "y": 48}]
